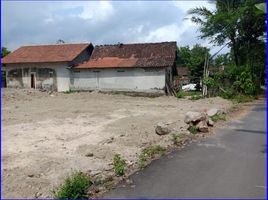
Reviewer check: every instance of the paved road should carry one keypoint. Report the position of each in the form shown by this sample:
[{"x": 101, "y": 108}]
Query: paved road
[{"x": 231, "y": 164}]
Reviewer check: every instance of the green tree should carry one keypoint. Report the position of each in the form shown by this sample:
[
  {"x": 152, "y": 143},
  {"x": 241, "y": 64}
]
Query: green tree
[
  {"x": 239, "y": 24},
  {"x": 221, "y": 60},
  {"x": 183, "y": 56},
  {"x": 198, "y": 55},
  {"x": 236, "y": 22},
  {"x": 261, "y": 6},
  {"x": 193, "y": 59},
  {"x": 4, "y": 52}
]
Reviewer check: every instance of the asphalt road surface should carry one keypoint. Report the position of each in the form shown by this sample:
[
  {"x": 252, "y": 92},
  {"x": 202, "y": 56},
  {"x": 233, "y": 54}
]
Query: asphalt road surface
[{"x": 231, "y": 164}]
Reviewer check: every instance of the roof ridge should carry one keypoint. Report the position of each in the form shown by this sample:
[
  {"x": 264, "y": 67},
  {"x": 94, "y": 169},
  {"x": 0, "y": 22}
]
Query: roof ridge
[
  {"x": 146, "y": 43},
  {"x": 36, "y": 45}
]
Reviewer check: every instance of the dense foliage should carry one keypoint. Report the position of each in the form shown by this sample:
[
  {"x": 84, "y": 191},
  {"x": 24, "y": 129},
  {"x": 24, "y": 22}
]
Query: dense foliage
[
  {"x": 240, "y": 25},
  {"x": 194, "y": 59}
]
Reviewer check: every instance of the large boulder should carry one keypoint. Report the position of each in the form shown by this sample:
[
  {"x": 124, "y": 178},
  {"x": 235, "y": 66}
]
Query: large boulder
[
  {"x": 212, "y": 112},
  {"x": 162, "y": 129},
  {"x": 202, "y": 126},
  {"x": 194, "y": 117}
]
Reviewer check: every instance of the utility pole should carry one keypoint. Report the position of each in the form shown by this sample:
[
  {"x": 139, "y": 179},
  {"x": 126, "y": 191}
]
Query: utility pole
[
  {"x": 206, "y": 72},
  {"x": 204, "y": 87}
]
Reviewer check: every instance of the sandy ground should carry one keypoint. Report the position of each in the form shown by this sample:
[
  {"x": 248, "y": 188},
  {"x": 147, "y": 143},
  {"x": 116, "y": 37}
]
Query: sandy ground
[{"x": 47, "y": 136}]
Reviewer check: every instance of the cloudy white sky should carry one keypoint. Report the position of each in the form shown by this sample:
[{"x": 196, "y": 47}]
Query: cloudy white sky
[{"x": 99, "y": 22}]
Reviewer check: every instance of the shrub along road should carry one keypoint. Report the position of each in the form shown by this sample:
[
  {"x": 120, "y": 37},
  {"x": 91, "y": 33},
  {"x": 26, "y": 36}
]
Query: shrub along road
[{"x": 230, "y": 164}]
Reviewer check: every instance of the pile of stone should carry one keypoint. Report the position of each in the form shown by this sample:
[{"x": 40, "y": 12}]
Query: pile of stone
[{"x": 201, "y": 120}]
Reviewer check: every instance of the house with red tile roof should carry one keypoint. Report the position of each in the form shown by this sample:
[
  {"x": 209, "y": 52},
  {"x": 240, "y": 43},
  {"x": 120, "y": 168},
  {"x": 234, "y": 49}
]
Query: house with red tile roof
[
  {"x": 145, "y": 67},
  {"x": 142, "y": 67},
  {"x": 45, "y": 67}
]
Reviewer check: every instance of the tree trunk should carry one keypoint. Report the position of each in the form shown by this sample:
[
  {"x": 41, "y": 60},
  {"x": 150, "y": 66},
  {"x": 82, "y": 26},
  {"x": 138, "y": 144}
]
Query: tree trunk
[{"x": 235, "y": 51}]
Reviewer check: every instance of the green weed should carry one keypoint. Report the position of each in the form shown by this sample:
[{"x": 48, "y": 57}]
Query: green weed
[
  {"x": 74, "y": 187},
  {"x": 218, "y": 117},
  {"x": 149, "y": 153},
  {"x": 193, "y": 129},
  {"x": 196, "y": 97},
  {"x": 182, "y": 94},
  {"x": 177, "y": 138},
  {"x": 119, "y": 165}
]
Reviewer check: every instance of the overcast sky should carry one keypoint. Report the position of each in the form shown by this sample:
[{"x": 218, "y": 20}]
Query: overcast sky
[{"x": 99, "y": 22}]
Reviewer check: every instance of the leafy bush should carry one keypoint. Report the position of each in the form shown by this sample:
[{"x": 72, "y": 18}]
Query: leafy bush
[
  {"x": 210, "y": 82},
  {"x": 235, "y": 80},
  {"x": 228, "y": 93},
  {"x": 119, "y": 165},
  {"x": 232, "y": 71},
  {"x": 244, "y": 83},
  {"x": 218, "y": 117},
  {"x": 193, "y": 129},
  {"x": 74, "y": 187},
  {"x": 149, "y": 153}
]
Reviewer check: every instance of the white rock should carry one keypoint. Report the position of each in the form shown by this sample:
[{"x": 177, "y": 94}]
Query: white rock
[
  {"x": 194, "y": 117},
  {"x": 212, "y": 112},
  {"x": 162, "y": 129}
]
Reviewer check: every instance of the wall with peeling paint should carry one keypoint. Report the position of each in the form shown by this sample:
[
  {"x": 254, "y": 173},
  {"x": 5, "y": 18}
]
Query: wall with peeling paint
[
  {"x": 60, "y": 77},
  {"x": 48, "y": 76}
]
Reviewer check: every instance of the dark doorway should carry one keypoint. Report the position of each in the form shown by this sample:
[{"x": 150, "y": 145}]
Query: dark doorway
[{"x": 33, "y": 81}]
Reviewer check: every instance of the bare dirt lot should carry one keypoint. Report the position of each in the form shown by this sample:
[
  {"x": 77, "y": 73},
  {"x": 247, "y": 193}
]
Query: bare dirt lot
[{"x": 46, "y": 136}]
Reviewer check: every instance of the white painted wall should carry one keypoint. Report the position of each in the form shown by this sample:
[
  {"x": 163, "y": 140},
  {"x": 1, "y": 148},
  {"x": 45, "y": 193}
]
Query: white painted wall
[
  {"x": 63, "y": 78},
  {"x": 62, "y": 74},
  {"x": 26, "y": 79},
  {"x": 136, "y": 79}
]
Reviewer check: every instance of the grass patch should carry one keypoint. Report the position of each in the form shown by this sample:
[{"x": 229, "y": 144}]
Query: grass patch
[
  {"x": 218, "y": 117},
  {"x": 148, "y": 153},
  {"x": 236, "y": 97},
  {"x": 74, "y": 187},
  {"x": 178, "y": 138},
  {"x": 182, "y": 94},
  {"x": 240, "y": 98},
  {"x": 193, "y": 129},
  {"x": 197, "y": 97},
  {"x": 179, "y": 94},
  {"x": 119, "y": 165}
]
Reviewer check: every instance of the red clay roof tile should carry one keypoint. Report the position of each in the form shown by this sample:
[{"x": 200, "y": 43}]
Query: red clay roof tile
[
  {"x": 132, "y": 55},
  {"x": 45, "y": 53}
]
